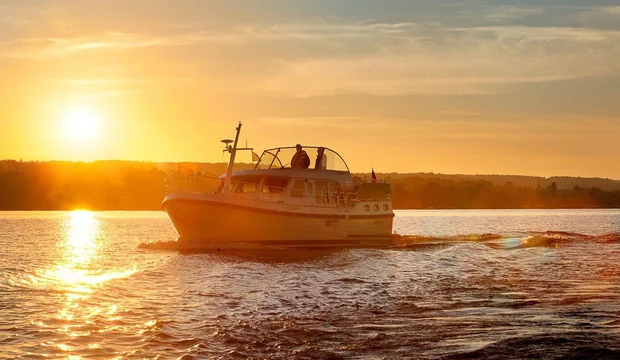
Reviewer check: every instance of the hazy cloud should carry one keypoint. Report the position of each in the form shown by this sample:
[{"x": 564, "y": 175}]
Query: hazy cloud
[
  {"x": 615, "y": 10},
  {"x": 501, "y": 13},
  {"x": 455, "y": 61},
  {"x": 67, "y": 46},
  {"x": 374, "y": 58}
]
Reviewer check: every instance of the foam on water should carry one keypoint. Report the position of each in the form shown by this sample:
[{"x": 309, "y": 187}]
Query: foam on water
[
  {"x": 507, "y": 241},
  {"x": 546, "y": 284}
]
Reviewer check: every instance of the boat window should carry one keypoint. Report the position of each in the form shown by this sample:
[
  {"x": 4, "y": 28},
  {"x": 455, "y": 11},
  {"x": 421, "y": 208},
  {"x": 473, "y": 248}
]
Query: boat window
[
  {"x": 245, "y": 184},
  {"x": 270, "y": 160},
  {"x": 321, "y": 192},
  {"x": 309, "y": 187},
  {"x": 249, "y": 188},
  {"x": 274, "y": 184},
  {"x": 332, "y": 192},
  {"x": 298, "y": 188}
]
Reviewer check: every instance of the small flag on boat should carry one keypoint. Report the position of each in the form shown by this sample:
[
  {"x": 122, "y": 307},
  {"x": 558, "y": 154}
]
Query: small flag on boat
[
  {"x": 373, "y": 176},
  {"x": 254, "y": 156}
]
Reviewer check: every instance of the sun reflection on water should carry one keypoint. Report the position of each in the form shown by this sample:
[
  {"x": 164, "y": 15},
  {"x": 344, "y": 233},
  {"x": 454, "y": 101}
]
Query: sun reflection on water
[
  {"x": 79, "y": 268},
  {"x": 73, "y": 270},
  {"x": 81, "y": 242}
]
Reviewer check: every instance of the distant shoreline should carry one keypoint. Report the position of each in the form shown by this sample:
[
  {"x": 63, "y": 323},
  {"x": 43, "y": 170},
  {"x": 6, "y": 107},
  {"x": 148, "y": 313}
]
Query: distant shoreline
[{"x": 135, "y": 186}]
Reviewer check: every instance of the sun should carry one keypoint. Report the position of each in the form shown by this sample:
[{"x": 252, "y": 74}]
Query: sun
[{"x": 81, "y": 124}]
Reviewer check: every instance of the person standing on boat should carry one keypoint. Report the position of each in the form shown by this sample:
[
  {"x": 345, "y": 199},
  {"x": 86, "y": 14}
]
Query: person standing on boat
[
  {"x": 321, "y": 159},
  {"x": 300, "y": 160}
]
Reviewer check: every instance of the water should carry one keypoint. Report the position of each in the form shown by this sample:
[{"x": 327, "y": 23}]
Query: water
[{"x": 493, "y": 284}]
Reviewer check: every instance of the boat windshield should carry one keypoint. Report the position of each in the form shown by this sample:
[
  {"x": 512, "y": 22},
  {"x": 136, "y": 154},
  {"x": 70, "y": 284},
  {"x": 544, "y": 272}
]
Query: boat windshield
[{"x": 282, "y": 158}]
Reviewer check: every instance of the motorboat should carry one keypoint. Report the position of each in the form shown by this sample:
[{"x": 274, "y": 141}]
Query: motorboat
[{"x": 281, "y": 202}]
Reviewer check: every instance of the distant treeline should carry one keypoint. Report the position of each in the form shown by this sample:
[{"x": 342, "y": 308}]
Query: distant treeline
[
  {"x": 127, "y": 185},
  {"x": 562, "y": 182},
  {"x": 435, "y": 193}
]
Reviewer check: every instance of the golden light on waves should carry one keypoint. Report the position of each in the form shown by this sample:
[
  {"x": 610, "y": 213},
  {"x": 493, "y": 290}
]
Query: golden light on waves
[
  {"x": 81, "y": 241},
  {"x": 79, "y": 269},
  {"x": 78, "y": 266},
  {"x": 73, "y": 269}
]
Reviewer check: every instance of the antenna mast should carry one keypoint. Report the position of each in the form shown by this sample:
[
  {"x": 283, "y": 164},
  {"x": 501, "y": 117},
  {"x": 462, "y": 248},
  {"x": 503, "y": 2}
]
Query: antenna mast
[
  {"x": 232, "y": 149},
  {"x": 231, "y": 162}
]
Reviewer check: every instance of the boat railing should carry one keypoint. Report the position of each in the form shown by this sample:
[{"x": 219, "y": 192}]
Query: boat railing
[{"x": 205, "y": 184}]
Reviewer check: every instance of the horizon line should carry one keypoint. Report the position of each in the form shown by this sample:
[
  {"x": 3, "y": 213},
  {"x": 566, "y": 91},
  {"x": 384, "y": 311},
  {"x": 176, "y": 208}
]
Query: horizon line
[{"x": 352, "y": 172}]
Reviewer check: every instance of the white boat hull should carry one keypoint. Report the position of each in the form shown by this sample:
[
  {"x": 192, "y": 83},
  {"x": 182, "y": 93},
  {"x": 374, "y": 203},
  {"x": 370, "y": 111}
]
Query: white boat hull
[{"x": 204, "y": 221}]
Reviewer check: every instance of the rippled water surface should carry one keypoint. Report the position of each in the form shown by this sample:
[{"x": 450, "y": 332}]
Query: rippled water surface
[{"x": 493, "y": 284}]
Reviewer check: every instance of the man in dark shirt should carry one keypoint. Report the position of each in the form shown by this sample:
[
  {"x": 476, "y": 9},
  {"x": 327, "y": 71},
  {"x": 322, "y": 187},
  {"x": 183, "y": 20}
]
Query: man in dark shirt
[{"x": 300, "y": 160}]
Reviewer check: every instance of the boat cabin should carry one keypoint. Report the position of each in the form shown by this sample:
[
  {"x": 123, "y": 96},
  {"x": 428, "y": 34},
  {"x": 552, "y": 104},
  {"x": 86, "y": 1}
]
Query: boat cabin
[
  {"x": 328, "y": 183},
  {"x": 325, "y": 182}
]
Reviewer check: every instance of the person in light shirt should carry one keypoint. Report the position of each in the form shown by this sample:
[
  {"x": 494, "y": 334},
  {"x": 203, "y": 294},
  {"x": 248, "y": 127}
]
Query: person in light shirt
[{"x": 321, "y": 159}]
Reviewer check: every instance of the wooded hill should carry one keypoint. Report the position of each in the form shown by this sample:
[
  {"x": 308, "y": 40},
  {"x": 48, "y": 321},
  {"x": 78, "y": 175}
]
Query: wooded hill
[
  {"x": 129, "y": 185},
  {"x": 562, "y": 182}
]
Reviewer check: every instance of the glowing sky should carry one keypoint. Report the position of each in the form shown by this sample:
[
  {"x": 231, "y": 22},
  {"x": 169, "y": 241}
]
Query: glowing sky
[{"x": 486, "y": 86}]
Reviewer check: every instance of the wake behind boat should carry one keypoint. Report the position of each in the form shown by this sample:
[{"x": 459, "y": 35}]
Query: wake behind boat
[{"x": 286, "y": 200}]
